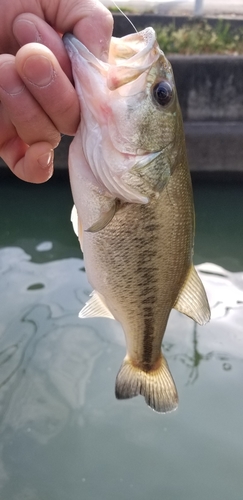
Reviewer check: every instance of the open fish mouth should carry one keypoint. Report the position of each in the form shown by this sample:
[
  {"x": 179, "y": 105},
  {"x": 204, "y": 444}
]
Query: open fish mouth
[{"x": 127, "y": 60}]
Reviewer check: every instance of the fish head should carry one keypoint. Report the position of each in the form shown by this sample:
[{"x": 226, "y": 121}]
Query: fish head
[
  {"x": 129, "y": 108},
  {"x": 142, "y": 94}
]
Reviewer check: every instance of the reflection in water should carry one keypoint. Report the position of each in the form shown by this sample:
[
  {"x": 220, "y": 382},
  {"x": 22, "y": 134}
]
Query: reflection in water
[
  {"x": 46, "y": 353},
  {"x": 193, "y": 360},
  {"x": 223, "y": 336},
  {"x": 48, "y": 373},
  {"x": 224, "y": 289}
]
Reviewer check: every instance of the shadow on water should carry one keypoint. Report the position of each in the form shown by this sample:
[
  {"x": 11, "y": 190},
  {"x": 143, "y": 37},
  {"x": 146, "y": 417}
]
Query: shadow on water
[{"x": 63, "y": 434}]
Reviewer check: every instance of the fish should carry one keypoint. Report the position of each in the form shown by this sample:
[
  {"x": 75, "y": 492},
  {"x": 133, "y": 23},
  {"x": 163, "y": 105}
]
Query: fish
[{"x": 134, "y": 212}]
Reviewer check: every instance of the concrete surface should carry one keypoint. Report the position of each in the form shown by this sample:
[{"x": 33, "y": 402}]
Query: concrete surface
[{"x": 209, "y": 87}]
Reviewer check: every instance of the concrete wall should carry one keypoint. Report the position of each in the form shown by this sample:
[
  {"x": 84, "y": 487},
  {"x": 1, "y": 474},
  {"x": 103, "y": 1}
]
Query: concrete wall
[
  {"x": 209, "y": 87},
  {"x": 210, "y": 91}
]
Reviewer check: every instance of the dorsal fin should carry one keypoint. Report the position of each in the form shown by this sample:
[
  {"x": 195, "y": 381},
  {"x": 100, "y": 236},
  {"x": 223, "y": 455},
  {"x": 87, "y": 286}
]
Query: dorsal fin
[{"x": 192, "y": 299}]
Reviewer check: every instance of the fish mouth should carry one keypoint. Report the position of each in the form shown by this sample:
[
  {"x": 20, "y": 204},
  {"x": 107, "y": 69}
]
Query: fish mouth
[
  {"x": 135, "y": 47},
  {"x": 74, "y": 48},
  {"x": 129, "y": 57}
]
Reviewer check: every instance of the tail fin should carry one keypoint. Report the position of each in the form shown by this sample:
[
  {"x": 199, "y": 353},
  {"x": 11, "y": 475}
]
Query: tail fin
[{"x": 157, "y": 386}]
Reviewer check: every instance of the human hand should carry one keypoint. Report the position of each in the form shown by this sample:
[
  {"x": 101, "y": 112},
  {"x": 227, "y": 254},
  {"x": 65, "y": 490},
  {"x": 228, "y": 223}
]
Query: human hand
[{"x": 37, "y": 99}]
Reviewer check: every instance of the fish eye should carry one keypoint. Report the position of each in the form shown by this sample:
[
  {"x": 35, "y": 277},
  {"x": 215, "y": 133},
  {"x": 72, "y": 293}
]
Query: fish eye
[{"x": 163, "y": 93}]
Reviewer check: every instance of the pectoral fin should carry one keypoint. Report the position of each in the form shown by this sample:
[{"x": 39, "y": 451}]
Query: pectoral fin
[
  {"x": 95, "y": 307},
  {"x": 104, "y": 219},
  {"x": 192, "y": 299}
]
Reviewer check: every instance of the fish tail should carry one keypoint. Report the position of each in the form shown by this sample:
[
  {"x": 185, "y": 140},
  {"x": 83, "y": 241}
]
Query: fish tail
[{"x": 156, "y": 385}]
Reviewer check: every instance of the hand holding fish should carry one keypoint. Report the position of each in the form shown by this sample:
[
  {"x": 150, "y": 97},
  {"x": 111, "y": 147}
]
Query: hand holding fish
[{"x": 37, "y": 99}]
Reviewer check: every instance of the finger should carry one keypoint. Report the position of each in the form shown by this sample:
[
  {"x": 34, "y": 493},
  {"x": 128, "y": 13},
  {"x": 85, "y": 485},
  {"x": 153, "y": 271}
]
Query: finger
[
  {"x": 43, "y": 76},
  {"x": 30, "y": 121},
  {"x": 29, "y": 28},
  {"x": 32, "y": 164},
  {"x": 20, "y": 117},
  {"x": 90, "y": 21},
  {"x": 95, "y": 31}
]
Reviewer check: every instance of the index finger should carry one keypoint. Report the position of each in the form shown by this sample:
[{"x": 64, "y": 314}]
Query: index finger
[
  {"x": 95, "y": 29},
  {"x": 88, "y": 20}
]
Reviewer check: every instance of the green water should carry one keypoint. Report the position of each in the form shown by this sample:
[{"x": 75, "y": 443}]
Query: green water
[{"x": 64, "y": 436}]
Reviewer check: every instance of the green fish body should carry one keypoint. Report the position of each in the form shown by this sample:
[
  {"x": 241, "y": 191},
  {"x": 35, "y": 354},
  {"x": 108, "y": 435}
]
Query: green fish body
[{"x": 134, "y": 205}]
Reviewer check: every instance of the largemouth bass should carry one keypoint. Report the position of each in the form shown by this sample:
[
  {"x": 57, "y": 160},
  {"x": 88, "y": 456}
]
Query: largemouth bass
[{"x": 135, "y": 217}]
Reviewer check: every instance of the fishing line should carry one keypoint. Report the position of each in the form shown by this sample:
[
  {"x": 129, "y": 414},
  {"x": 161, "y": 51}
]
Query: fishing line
[{"x": 127, "y": 18}]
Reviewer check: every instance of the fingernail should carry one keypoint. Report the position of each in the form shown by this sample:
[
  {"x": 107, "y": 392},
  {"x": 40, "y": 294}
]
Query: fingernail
[
  {"x": 26, "y": 32},
  {"x": 9, "y": 79},
  {"x": 46, "y": 160},
  {"x": 39, "y": 70}
]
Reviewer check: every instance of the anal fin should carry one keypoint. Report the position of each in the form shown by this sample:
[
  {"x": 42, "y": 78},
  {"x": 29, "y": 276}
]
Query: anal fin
[
  {"x": 192, "y": 299},
  {"x": 95, "y": 307}
]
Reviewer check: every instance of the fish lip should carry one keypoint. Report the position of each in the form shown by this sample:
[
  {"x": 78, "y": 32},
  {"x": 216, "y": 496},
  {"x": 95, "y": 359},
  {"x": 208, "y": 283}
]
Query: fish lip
[
  {"x": 148, "y": 35},
  {"x": 118, "y": 71},
  {"x": 76, "y": 49},
  {"x": 73, "y": 45},
  {"x": 70, "y": 40}
]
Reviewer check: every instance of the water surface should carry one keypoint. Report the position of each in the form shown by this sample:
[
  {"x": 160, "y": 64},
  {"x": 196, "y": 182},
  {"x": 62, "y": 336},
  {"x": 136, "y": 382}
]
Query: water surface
[{"x": 64, "y": 436}]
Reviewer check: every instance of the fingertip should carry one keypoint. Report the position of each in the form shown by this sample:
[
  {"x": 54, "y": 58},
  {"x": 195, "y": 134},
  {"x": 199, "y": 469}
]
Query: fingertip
[
  {"x": 25, "y": 31},
  {"x": 45, "y": 160},
  {"x": 38, "y": 163},
  {"x": 29, "y": 28},
  {"x": 98, "y": 40},
  {"x": 36, "y": 166},
  {"x": 32, "y": 49}
]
